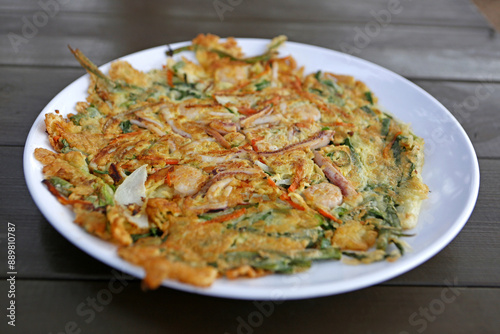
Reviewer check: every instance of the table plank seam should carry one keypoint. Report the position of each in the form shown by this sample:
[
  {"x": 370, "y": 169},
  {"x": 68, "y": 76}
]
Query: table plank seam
[
  {"x": 9, "y": 12},
  {"x": 78, "y": 67},
  {"x": 134, "y": 279}
]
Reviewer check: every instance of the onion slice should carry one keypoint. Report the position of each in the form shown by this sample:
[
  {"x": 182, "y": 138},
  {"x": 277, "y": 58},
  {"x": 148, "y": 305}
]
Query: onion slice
[
  {"x": 318, "y": 140},
  {"x": 335, "y": 176},
  {"x": 133, "y": 191}
]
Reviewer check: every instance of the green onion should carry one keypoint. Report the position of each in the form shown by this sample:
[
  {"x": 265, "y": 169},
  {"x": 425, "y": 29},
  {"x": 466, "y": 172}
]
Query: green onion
[
  {"x": 106, "y": 195},
  {"x": 397, "y": 150},
  {"x": 368, "y": 110},
  {"x": 340, "y": 211},
  {"x": 386, "y": 124},
  {"x": 317, "y": 76},
  {"x": 153, "y": 232},
  {"x": 316, "y": 91},
  {"x": 369, "y": 97},
  {"x": 77, "y": 118},
  {"x": 126, "y": 126},
  {"x": 177, "y": 66},
  {"x": 391, "y": 215},
  {"x": 357, "y": 256},
  {"x": 383, "y": 239},
  {"x": 271, "y": 51},
  {"x": 261, "y": 85},
  {"x": 63, "y": 186},
  {"x": 66, "y": 148},
  {"x": 93, "y": 112},
  {"x": 399, "y": 246}
]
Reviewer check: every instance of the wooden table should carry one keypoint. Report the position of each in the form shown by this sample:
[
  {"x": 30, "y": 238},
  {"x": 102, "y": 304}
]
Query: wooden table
[{"x": 444, "y": 46}]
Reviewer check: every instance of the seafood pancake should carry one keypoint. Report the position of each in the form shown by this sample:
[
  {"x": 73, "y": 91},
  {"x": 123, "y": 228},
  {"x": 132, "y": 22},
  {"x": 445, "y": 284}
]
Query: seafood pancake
[{"x": 233, "y": 166}]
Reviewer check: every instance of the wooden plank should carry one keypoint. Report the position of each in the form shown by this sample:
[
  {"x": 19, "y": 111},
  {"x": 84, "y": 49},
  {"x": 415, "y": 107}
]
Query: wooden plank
[
  {"x": 441, "y": 12},
  {"x": 458, "y": 53},
  {"x": 473, "y": 104},
  {"x": 44, "y": 253},
  {"x": 121, "y": 307},
  {"x": 24, "y": 92}
]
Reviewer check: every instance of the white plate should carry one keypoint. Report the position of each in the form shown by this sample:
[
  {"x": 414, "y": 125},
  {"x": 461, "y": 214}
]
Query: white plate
[{"x": 451, "y": 171}]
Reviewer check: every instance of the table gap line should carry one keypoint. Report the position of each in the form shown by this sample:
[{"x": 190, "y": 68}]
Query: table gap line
[
  {"x": 430, "y": 23},
  {"x": 410, "y": 78}
]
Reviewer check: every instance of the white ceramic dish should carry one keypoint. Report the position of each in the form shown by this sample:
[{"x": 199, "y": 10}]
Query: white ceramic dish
[{"x": 451, "y": 171}]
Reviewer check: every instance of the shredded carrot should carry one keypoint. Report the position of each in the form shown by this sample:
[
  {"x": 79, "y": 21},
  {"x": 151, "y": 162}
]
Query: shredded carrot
[
  {"x": 296, "y": 180},
  {"x": 233, "y": 215},
  {"x": 254, "y": 143},
  {"x": 259, "y": 137},
  {"x": 306, "y": 124},
  {"x": 168, "y": 180},
  {"x": 170, "y": 78},
  {"x": 288, "y": 61},
  {"x": 342, "y": 124},
  {"x": 271, "y": 183},
  {"x": 297, "y": 84},
  {"x": 171, "y": 161},
  {"x": 320, "y": 105},
  {"x": 63, "y": 200},
  {"x": 237, "y": 87},
  {"x": 389, "y": 146},
  {"x": 328, "y": 215},
  {"x": 287, "y": 198},
  {"x": 299, "y": 175},
  {"x": 261, "y": 74},
  {"x": 273, "y": 100},
  {"x": 122, "y": 136},
  {"x": 154, "y": 159},
  {"x": 246, "y": 111},
  {"x": 294, "y": 185}
]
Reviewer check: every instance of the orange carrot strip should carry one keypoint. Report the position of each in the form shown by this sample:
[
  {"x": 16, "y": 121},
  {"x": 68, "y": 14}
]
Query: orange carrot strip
[
  {"x": 294, "y": 185},
  {"x": 157, "y": 159},
  {"x": 168, "y": 181},
  {"x": 233, "y": 215},
  {"x": 267, "y": 70},
  {"x": 273, "y": 100},
  {"x": 287, "y": 198},
  {"x": 306, "y": 124},
  {"x": 254, "y": 143},
  {"x": 297, "y": 84},
  {"x": 170, "y": 78},
  {"x": 271, "y": 183},
  {"x": 342, "y": 124},
  {"x": 63, "y": 200},
  {"x": 299, "y": 174},
  {"x": 246, "y": 111},
  {"x": 125, "y": 135},
  {"x": 389, "y": 146},
  {"x": 259, "y": 137},
  {"x": 329, "y": 215}
]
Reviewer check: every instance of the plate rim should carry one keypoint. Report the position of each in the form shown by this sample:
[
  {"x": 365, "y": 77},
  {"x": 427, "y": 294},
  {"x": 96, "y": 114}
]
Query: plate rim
[{"x": 318, "y": 290}]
